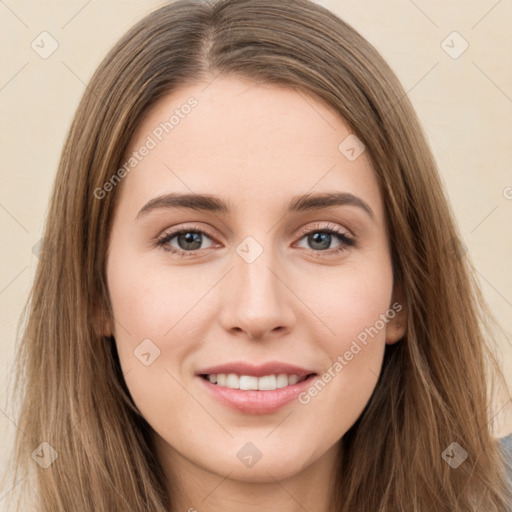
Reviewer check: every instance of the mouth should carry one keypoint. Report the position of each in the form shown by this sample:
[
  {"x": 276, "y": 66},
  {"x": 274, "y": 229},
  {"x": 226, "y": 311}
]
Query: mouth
[{"x": 255, "y": 389}]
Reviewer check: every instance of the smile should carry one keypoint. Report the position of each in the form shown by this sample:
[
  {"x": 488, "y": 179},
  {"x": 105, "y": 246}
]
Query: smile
[
  {"x": 255, "y": 389},
  {"x": 251, "y": 382}
]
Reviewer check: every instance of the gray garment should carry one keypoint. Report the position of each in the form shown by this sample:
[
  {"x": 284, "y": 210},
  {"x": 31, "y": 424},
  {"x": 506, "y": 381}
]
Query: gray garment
[{"x": 506, "y": 445}]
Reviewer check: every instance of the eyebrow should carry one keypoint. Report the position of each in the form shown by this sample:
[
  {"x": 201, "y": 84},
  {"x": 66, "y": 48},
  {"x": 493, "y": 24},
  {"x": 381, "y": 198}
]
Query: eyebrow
[{"x": 209, "y": 203}]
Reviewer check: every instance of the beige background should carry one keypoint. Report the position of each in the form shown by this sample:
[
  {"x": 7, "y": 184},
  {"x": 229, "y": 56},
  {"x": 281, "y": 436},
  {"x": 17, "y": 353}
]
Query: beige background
[{"x": 464, "y": 103}]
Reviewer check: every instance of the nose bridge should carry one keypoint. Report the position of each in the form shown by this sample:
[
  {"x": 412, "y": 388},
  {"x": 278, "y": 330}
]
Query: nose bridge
[
  {"x": 256, "y": 281},
  {"x": 259, "y": 301}
]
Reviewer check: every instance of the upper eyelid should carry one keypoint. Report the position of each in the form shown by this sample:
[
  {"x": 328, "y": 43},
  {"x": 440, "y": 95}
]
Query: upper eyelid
[
  {"x": 177, "y": 231},
  {"x": 329, "y": 225}
]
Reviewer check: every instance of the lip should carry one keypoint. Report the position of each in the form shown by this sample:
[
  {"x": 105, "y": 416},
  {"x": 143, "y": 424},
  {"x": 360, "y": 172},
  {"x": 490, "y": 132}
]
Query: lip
[
  {"x": 252, "y": 401},
  {"x": 269, "y": 368}
]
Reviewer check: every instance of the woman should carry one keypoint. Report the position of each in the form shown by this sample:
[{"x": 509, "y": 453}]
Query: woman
[{"x": 255, "y": 295}]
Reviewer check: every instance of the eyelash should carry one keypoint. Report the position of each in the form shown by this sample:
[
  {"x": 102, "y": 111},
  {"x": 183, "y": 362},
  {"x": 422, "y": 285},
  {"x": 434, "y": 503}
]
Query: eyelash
[{"x": 346, "y": 240}]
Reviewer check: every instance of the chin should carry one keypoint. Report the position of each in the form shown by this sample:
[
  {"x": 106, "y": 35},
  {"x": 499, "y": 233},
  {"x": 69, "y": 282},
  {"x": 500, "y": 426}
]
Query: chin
[{"x": 244, "y": 465}]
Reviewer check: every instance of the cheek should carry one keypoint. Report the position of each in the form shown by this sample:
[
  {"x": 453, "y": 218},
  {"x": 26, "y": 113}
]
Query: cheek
[
  {"x": 358, "y": 318},
  {"x": 151, "y": 300},
  {"x": 157, "y": 318},
  {"x": 351, "y": 304},
  {"x": 333, "y": 403},
  {"x": 355, "y": 313}
]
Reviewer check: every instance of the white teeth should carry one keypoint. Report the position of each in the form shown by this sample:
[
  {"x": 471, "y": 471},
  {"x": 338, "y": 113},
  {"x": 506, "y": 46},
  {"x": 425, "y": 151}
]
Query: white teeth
[
  {"x": 249, "y": 382},
  {"x": 232, "y": 381},
  {"x": 267, "y": 383},
  {"x": 282, "y": 380},
  {"x": 293, "y": 379}
]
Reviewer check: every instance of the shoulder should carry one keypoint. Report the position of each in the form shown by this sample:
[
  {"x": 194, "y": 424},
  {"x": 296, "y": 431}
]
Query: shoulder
[
  {"x": 506, "y": 447},
  {"x": 506, "y": 444}
]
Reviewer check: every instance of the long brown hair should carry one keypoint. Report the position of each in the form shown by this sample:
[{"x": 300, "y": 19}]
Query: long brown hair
[{"x": 437, "y": 383}]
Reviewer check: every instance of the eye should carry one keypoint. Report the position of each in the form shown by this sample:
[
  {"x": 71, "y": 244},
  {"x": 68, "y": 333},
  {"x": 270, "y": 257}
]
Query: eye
[
  {"x": 188, "y": 241},
  {"x": 321, "y": 237}
]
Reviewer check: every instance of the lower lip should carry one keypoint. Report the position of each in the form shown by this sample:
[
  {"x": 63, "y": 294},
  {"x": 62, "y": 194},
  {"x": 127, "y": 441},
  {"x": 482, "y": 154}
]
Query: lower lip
[{"x": 256, "y": 402}]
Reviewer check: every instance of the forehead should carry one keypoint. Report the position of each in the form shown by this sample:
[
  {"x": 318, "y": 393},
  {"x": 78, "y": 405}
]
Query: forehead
[{"x": 245, "y": 142}]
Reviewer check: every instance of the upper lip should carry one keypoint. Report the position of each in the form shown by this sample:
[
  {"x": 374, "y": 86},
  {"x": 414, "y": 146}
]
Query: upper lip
[{"x": 269, "y": 368}]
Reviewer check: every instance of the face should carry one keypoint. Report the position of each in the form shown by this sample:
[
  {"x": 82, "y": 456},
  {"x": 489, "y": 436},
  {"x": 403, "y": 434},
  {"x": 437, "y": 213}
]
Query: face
[{"x": 255, "y": 286}]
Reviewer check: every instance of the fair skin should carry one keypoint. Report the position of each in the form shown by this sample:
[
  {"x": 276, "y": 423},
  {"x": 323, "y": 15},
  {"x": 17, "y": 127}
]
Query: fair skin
[{"x": 255, "y": 147}]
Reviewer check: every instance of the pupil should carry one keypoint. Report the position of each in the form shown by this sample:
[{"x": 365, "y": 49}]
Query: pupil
[
  {"x": 324, "y": 239},
  {"x": 189, "y": 238}
]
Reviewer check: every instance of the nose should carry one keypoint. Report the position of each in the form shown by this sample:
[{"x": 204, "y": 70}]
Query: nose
[{"x": 258, "y": 301}]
